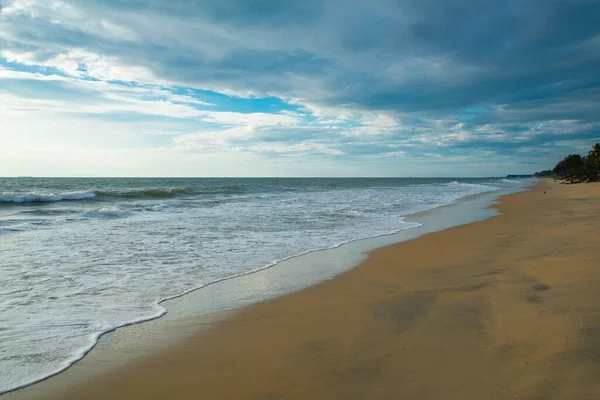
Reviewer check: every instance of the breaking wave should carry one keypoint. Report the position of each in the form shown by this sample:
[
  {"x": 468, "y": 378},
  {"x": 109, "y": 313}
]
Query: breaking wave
[
  {"x": 98, "y": 195},
  {"x": 6, "y": 197},
  {"x": 108, "y": 212},
  {"x": 152, "y": 192}
]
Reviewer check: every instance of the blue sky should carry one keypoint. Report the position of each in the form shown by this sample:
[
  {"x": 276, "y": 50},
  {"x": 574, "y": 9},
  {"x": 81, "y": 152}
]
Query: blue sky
[{"x": 281, "y": 88}]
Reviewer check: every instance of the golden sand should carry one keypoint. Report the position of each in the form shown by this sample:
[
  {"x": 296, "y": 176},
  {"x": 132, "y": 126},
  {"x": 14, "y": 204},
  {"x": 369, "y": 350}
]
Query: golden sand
[{"x": 507, "y": 308}]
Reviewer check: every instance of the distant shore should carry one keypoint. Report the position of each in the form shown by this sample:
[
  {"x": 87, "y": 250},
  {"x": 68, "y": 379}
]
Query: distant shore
[{"x": 499, "y": 309}]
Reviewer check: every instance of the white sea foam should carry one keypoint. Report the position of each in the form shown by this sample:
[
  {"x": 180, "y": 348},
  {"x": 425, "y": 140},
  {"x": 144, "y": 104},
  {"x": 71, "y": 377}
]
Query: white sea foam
[
  {"x": 108, "y": 212},
  {"x": 7, "y": 197}
]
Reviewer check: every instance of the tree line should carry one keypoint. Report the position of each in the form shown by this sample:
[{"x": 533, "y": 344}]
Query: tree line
[{"x": 576, "y": 168}]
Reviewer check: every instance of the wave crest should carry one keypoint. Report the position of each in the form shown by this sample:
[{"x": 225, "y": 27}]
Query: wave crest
[
  {"x": 7, "y": 197},
  {"x": 150, "y": 192},
  {"x": 34, "y": 197},
  {"x": 108, "y": 212}
]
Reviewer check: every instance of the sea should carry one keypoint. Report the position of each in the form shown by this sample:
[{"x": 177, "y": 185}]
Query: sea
[{"x": 83, "y": 256}]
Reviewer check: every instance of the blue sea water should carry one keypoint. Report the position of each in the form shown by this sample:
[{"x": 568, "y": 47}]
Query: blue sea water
[{"x": 81, "y": 256}]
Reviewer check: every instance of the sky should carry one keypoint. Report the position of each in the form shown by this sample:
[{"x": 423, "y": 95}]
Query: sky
[{"x": 296, "y": 88}]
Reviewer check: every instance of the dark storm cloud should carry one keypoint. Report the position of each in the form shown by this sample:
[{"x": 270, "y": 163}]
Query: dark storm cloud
[{"x": 415, "y": 55}]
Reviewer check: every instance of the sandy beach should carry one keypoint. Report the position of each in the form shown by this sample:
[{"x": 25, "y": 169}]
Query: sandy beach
[{"x": 500, "y": 309}]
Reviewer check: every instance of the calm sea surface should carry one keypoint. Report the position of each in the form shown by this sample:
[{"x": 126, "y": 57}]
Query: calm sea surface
[{"x": 80, "y": 256}]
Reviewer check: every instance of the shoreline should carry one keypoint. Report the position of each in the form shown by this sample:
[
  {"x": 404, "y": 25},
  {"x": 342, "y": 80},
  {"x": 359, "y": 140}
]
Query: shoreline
[
  {"x": 208, "y": 319},
  {"x": 503, "y": 308}
]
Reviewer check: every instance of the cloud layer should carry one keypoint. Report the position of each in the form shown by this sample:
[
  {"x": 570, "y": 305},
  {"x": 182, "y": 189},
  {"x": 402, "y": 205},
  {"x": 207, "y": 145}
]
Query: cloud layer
[{"x": 383, "y": 88}]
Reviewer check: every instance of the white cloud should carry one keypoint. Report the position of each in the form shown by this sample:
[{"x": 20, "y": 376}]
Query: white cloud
[
  {"x": 180, "y": 98},
  {"x": 15, "y": 105},
  {"x": 251, "y": 119},
  {"x": 248, "y": 139},
  {"x": 325, "y": 114},
  {"x": 217, "y": 137},
  {"x": 80, "y": 63},
  {"x": 109, "y": 68},
  {"x": 27, "y": 58},
  {"x": 62, "y": 13},
  {"x": 297, "y": 148}
]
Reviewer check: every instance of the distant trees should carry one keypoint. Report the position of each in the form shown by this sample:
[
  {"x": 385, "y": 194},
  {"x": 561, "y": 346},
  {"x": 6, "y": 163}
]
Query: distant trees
[
  {"x": 570, "y": 164},
  {"x": 575, "y": 168},
  {"x": 547, "y": 173}
]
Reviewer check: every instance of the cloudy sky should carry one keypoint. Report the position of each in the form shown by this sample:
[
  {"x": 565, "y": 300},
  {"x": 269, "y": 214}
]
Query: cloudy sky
[{"x": 296, "y": 88}]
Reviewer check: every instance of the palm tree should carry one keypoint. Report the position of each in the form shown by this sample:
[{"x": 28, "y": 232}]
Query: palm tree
[{"x": 592, "y": 160}]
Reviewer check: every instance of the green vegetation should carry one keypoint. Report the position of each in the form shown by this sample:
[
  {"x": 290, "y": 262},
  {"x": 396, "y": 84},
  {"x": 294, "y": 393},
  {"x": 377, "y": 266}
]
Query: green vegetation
[{"x": 576, "y": 169}]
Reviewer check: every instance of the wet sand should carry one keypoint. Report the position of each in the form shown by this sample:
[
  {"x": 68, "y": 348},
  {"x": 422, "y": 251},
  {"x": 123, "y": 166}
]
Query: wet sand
[{"x": 500, "y": 309}]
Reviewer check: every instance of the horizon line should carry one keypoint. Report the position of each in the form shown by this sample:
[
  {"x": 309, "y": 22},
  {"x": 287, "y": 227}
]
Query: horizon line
[{"x": 256, "y": 177}]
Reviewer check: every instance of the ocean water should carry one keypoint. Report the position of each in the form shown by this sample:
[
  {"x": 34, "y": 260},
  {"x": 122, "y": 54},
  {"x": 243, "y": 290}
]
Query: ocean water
[{"x": 79, "y": 257}]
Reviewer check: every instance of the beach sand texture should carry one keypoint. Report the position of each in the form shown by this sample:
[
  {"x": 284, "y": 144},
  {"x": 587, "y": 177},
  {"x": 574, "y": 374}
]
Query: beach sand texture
[{"x": 507, "y": 308}]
